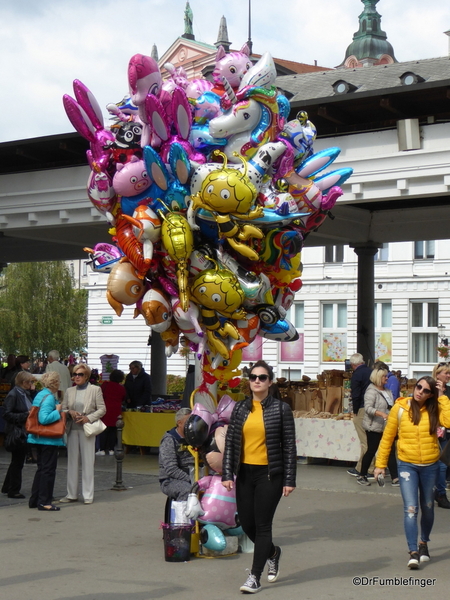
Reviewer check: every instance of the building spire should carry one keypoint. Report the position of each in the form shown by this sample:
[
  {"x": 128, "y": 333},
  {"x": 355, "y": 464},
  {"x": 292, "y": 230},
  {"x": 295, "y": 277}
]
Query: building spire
[
  {"x": 249, "y": 41},
  {"x": 154, "y": 53},
  {"x": 188, "y": 23},
  {"x": 222, "y": 38},
  {"x": 370, "y": 45}
]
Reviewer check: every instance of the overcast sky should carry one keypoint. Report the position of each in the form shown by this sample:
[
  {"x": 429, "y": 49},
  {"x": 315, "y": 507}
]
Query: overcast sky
[{"x": 46, "y": 44}]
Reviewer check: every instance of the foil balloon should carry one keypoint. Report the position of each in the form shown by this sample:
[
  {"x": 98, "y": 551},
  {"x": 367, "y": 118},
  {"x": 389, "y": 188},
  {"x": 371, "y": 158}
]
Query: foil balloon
[
  {"x": 124, "y": 287},
  {"x": 228, "y": 193},
  {"x": 212, "y": 538},
  {"x": 146, "y": 228},
  {"x": 218, "y": 504},
  {"x": 157, "y": 310},
  {"x": 179, "y": 242},
  {"x": 103, "y": 257},
  {"x": 197, "y": 425},
  {"x": 101, "y": 191},
  {"x": 218, "y": 291}
]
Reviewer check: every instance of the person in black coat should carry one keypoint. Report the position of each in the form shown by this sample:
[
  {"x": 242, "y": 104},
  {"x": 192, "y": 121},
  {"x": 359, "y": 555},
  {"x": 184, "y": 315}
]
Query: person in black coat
[
  {"x": 17, "y": 405},
  {"x": 359, "y": 383},
  {"x": 260, "y": 450},
  {"x": 138, "y": 385}
]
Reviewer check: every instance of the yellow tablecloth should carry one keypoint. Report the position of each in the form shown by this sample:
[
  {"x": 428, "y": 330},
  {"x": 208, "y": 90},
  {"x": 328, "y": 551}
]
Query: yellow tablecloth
[{"x": 146, "y": 429}]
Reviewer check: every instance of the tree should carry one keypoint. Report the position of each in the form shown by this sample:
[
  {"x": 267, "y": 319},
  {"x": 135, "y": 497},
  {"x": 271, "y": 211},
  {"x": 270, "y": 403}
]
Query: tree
[{"x": 40, "y": 310}]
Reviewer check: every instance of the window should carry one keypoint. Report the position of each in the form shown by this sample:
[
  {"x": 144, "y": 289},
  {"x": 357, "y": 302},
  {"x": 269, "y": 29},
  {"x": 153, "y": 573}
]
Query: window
[
  {"x": 383, "y": 315},
  {"x": 334, "y": 254},
  {"x": 424, "y": 336},
  {"x": 424, "y": 249},
  {"x": 383, "y": 253},
  {"x": 297, "y": 316},
  {"x": 85, "y": 266},
  {"x": 292, "y": 374},
  {"x": 334, "y": 316}
]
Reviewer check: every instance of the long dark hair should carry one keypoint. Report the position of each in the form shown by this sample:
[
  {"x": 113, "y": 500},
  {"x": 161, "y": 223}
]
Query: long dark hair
[{"x": 431, "y": 405}]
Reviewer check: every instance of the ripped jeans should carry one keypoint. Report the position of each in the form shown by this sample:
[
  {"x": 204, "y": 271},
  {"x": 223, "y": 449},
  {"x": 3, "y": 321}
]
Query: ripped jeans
[{"x": 416, "y": 485}]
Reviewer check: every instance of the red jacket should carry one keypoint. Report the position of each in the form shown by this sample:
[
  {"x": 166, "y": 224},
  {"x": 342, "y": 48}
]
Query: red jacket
[{"x": 114, "y": 395}]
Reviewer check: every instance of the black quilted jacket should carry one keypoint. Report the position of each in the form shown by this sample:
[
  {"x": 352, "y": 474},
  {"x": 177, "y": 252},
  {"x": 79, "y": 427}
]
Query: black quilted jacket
[{"x": 280, "y": 439}]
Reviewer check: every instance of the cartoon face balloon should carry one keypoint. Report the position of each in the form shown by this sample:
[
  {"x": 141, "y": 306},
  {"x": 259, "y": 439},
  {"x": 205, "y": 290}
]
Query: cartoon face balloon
[{"x": 219, "y": 290}]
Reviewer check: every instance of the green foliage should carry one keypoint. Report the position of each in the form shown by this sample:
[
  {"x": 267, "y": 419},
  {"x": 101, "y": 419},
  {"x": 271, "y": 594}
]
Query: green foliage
[
  {"x": 40, "y": 310},
  {"x": 175, "y": 384}
]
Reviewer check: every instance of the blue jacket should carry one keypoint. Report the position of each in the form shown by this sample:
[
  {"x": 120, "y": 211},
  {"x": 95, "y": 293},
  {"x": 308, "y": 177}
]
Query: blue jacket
[
  {"x": 47, "y": 414},
  {"x": 393, "y": 384}
]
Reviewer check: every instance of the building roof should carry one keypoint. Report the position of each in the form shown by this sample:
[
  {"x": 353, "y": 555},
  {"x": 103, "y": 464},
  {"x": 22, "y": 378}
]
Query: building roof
[
  {"x": 295, "y": 67},
  {"x": 374, "y": 97}
]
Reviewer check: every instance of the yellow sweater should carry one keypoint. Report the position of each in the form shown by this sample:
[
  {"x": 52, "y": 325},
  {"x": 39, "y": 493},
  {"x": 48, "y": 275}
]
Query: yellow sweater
[
  {"x": 415, "y": 443},
  {"x": 254, "y": 450}
]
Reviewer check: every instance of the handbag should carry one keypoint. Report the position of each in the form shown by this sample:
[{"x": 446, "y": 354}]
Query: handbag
[
  {"x": 445, "y": 454},
  {"x": 94, "y": 428},
  {"x": 53, "y": 430},
  {"x": 15, "y": 438}
]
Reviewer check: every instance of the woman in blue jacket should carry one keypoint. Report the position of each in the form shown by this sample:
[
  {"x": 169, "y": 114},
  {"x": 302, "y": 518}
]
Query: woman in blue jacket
[{"x": 47, "y": 448}]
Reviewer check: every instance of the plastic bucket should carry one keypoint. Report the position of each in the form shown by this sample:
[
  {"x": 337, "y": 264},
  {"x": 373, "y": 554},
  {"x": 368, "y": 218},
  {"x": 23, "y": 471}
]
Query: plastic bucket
[{"x": 177, "y": 542}]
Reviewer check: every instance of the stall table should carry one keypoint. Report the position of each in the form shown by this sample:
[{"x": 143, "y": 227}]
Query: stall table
[
  {"x": 146, "y": 429},
  {"x": 327, "y": 438}
]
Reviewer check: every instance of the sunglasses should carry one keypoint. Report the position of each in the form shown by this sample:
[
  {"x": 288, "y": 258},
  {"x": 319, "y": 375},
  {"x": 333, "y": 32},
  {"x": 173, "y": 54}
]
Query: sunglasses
[
  {"x": 260, "y": 377},
  {"x": 421, "y": 388},
  {"x": 78, "y": 374}
]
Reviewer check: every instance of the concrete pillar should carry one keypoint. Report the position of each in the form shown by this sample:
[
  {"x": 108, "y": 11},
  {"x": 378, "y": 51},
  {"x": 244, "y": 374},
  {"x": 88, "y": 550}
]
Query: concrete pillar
[
  {"x": 365, "y": 316},
  {"x": 158, "y": 365}
]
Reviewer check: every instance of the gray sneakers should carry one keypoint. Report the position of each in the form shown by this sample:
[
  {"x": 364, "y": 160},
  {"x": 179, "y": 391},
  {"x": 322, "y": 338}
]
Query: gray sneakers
[
  {"x": 273, "y": 565},
  {"x": 251, "y": 586}
]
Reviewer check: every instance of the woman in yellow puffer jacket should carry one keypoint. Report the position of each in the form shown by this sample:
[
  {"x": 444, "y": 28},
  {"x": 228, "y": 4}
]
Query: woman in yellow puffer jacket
[{"x": 415, "y": 421}]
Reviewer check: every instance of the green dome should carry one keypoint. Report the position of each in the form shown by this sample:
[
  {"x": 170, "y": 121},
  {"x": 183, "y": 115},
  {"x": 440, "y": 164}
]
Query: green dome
[{"x": 370, "y": 41}]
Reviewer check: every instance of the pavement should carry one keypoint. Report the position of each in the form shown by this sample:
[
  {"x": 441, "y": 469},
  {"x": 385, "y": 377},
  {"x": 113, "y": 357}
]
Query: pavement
[{"x": 340, "y": 541}]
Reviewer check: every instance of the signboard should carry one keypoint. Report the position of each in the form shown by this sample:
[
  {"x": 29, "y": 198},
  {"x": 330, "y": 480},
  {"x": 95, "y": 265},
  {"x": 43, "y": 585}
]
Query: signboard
[
  {"x": 293, "y": 351},
  {"x": 108, "y": 320}
]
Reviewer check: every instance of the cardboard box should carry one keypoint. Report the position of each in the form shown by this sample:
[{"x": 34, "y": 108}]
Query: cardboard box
[{"x": 333, "y": 402}]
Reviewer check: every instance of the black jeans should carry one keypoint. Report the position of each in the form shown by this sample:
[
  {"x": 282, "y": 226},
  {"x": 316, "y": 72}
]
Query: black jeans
[
  {"x": 108, "y": 438},
  {"x": 13, "y": 479},
  {"x": 373, "y": 441},
  {"x": 44, "y": 479},
  {"x": 257, "y": 499}
]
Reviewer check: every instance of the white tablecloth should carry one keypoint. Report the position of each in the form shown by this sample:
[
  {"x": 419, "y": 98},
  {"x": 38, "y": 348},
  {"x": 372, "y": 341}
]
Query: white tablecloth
[{"x": 327, "y": 438}]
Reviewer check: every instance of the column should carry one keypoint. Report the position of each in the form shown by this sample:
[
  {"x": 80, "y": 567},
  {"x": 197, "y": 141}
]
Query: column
[
  {"x": 365, "y": 316},
  {"x": 158, "y": 365}
]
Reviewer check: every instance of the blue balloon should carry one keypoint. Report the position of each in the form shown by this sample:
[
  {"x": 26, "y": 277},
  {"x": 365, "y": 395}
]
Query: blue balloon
[{"x": 212, "y": 538}]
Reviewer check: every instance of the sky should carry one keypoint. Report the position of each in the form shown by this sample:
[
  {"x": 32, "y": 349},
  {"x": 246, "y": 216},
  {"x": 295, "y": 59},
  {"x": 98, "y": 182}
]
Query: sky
[{"x": 46, "y": 44}]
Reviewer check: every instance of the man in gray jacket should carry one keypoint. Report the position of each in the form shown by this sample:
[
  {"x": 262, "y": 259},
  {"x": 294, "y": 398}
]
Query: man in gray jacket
[{"x": 175, "y": 463}]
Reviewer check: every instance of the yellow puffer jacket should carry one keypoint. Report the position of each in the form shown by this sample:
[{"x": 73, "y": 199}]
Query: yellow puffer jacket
[{"x": 415, "y": 444}]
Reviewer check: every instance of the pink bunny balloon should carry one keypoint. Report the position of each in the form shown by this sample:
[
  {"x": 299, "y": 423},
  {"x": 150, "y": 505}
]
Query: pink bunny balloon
[{"x": 86, "y": 116}]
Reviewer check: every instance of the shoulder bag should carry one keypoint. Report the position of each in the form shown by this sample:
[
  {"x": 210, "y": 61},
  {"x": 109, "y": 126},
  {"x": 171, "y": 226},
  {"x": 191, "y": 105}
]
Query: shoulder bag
[
  {"x": 53, "y": 430},
  {"x": 94, "y": 428}
]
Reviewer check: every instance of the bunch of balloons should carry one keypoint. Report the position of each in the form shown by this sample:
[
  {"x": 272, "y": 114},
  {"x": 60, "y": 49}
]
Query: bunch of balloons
[{"x": 210, "y": 191}]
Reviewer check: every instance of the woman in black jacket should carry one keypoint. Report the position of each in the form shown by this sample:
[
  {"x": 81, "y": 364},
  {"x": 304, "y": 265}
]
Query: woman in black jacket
[
  {"x": 260, "y": 450},
  {"x": 17, "y": 406}
]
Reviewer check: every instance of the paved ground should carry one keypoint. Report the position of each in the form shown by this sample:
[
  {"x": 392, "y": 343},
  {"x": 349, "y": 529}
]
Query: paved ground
[{"x": 331, "y": 531}]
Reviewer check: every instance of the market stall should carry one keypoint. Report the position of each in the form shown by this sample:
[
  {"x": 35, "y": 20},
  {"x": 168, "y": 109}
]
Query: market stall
[{"x": 327, "y": 438}]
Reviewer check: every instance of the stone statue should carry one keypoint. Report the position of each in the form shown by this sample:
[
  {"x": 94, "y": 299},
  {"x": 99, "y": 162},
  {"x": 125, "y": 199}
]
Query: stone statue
[{"x": 188, "y": 19}]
